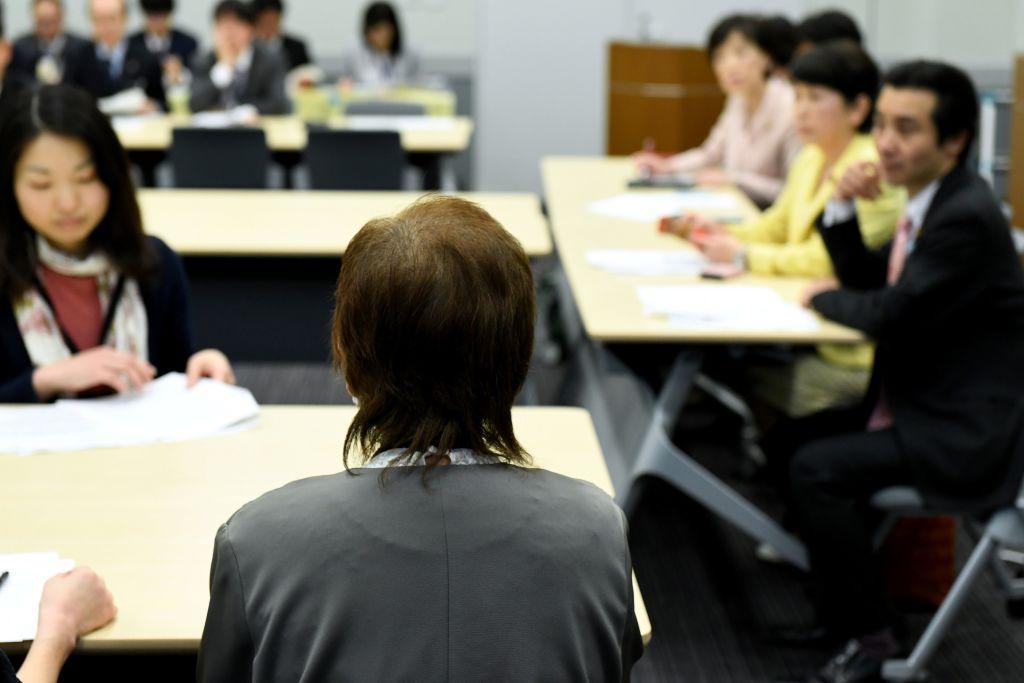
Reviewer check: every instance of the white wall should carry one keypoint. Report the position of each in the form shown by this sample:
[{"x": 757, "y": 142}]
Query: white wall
[{"x": 435, "y": 28}]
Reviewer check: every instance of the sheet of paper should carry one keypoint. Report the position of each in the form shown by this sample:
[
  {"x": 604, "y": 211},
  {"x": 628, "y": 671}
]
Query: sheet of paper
[
  {"x": 400, "y": 123},
  {"x": 647, "y": 261},
  {"x": 730, "y": 308},
  {"x": 131, "y": 123},
  {"x": 163, "y": 411},
  {"x": 21, "y": 591},
  {"x": 647, "y": 207}
]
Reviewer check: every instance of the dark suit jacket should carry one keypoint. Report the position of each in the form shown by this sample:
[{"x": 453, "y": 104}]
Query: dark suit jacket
[
  {"x": 295, "y": 52},
  {"x": 183, "y": 46},
  {"x": 950, "y": 335},
  {"x": 264, "y": 85},
  {"x": 483, "y": 572},
  {"x": 78, "y": 59},
  {"x": 170, "y": 329},
  {"x": 140, "y": 69},
  {"x": 10, "y": 91}
]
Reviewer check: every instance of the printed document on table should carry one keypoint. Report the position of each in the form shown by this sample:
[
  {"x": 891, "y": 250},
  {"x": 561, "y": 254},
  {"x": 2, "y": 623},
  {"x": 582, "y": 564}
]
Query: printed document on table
[
  {"x": 732, "y": 308},
  {"x": 22, "y": 590},
  {"x": 647, "y": 207},
  {"x": 648, "y": 261},
  {"x": 165, "y": 410},
  {"x": 399, "y": 123}
]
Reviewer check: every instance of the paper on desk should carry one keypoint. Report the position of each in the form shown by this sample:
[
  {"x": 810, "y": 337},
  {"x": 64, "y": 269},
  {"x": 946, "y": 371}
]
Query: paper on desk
[
  {"x": 21, "y": 592},
  {"x": 163, "y": 411},
  {"x": 726, "y": 307},
  {"x": 648, "y": 261},
  {"x": 399, "y": 123},
  {"x": 651, "y": 206}
]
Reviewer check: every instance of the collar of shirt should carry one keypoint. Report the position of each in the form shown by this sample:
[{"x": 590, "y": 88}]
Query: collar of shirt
[
  {"x": 55, "y": 46},
  {"x": 244, "y": 60},
  {"x": 111, "y": 54},
  {"x": 777, "y": 94},
  {"x": 158, "y": 44},
  {"x": 458, "y": 456},
  {"x": 917, "y": 206}
]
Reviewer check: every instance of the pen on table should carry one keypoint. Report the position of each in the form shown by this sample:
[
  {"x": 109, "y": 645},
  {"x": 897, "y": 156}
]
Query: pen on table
[{"x": 3, "y": 577}]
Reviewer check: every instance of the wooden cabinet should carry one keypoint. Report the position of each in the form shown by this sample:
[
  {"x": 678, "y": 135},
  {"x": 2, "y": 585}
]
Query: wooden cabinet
[{"x": 664, "y": 92}]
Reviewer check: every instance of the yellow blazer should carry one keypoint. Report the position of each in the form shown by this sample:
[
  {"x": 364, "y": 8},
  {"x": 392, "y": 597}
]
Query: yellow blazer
[{"x": 784, "y": 241}]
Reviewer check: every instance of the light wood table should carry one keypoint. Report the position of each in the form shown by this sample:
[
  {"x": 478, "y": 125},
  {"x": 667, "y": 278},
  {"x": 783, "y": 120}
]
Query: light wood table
[
  {"x": 305, "y": 223},
  {"x": 609, "y": 311},
  {"x": 607, "y": 302},
  {"x": 145, "y": 518},
  {"x": 288, "y": 134}
]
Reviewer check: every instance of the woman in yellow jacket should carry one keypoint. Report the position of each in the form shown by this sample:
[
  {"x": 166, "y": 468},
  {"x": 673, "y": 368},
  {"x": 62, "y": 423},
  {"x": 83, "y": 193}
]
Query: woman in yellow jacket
[{"x": 835, "y": 87}]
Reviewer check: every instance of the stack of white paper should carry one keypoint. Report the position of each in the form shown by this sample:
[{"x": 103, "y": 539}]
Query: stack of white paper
[
  {"x": 399, "y": 123},
  {"x": 163, "y": 411},
  {"x": 21, "y": 591},
  {"x": 728, "y": 308},
  {"x": 651, "y": 206},
  {"x": 648, "y": 261}
]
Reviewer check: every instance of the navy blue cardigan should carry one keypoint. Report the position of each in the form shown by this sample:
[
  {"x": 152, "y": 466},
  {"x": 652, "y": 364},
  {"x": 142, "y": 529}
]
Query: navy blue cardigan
[{"x": 170, "y": 329}]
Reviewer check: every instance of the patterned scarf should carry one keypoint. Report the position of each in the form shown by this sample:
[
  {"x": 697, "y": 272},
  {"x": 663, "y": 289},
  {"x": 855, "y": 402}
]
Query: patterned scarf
[{"x": 38, "y": 323}]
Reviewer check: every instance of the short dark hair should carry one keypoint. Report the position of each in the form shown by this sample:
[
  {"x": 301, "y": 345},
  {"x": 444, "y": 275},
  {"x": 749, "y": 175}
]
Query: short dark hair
[
  {"x": 778, "y": 37},
  {"x": 235, "y": 8},
  {"x": 383, "y": 13},
  {"x": 433, "y": 330},
  {"x": 827, "y": 26},
  {"x": 842, "y": 66},
  {"x": 157, "y": 6},
  {"x": 745, "y": 24},
  {"x": 261, "y": 6},
  {"x": 72, "y": 113},
  {"x": 956, "y": 100}
]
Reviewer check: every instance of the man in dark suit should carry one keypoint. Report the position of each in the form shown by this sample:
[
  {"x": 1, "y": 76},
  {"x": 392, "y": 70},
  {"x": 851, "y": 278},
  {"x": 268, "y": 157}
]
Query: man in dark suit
[
  {"x": 51, "y": 55},
  {"x": 174, "y": 50},
  {"x": 238, "y": 71},
  {"x": 945, "y": 304},
  {"x": 123, "y": 66},
  {"x": 268, "y": 29}
]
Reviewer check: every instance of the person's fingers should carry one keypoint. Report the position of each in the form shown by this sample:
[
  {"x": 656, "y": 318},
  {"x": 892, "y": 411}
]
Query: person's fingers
[
  {"x": 113, "y": 379},
  {"x": 129, "y": 369},
  {"x": 193, "y": 371}
]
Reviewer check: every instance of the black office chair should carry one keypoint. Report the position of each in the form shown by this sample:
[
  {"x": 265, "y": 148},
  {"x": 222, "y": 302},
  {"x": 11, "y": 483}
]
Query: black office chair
[
  {"x": 232, "y": 158},
  {"x": 355, "y": 160},
  {"x": 384, "y": 108}
]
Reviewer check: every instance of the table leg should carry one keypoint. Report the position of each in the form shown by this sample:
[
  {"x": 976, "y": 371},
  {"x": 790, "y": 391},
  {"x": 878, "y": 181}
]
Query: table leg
[{"x": 661, "y": 458}]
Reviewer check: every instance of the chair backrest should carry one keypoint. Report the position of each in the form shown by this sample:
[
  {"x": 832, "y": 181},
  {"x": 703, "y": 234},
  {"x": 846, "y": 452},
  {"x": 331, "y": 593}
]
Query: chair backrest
[
  {"x": 355, "y": 160},
  {"x": 384, "y": 108},
  {"x": 231, "y": 158}
]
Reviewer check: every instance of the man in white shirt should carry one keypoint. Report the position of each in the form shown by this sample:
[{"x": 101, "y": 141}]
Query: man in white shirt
[
  {"x": 238, "y": 72},
  {"x": 121, "y": 65}
]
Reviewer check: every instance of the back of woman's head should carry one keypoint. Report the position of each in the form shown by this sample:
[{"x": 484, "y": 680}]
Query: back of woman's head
[
  {"x": 433, "y": 330},
  {"x": 842, "y": 66},
  {"x": 67, "y": 112}
]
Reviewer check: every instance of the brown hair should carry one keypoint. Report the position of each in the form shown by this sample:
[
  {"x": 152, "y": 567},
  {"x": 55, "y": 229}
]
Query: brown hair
[{"x": 433, "y": 330}]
